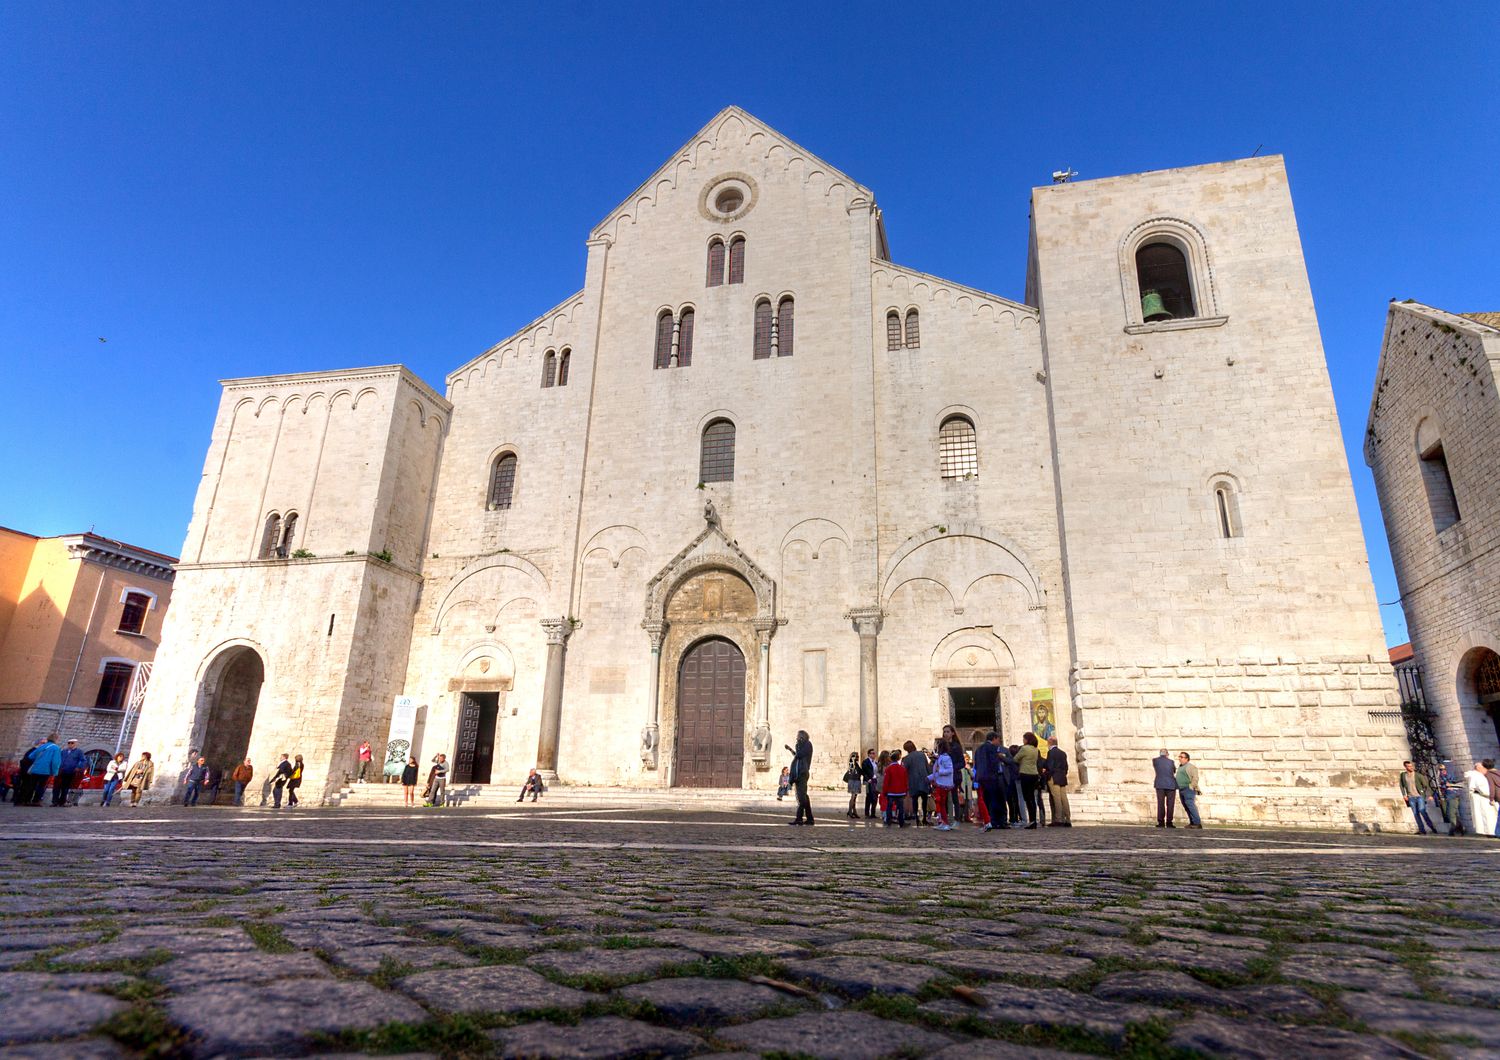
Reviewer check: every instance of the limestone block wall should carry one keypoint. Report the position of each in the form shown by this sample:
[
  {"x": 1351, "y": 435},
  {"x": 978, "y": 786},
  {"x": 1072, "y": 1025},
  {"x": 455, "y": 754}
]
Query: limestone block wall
[{"x": 1437, "y": 379}]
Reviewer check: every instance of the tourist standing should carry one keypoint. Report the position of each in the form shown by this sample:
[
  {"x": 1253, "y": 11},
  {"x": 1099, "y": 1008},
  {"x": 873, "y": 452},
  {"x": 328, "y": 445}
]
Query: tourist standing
[
  {"x": 854, "y": 783},
  {"x": 294, "y": 782},
  {"x": 1448, "y": 796},
  {"x": 71, "y": 763},
  {"x": 1028, "y": 762},
  {"x": 437, "y": 781},
  {"x": 197, "y": 777},
  {"x": 942, "y": 786},
  {"x": 280, "y": 778},
  {"x": 242, "y": 775},
  {"x": 1057, "y": 784},
  {"x": 893, "y": 786},
  {"x": 114, "y": 776},
  {"x": 1012, "y": 774},
  {"x": 801, "y": 769},
  {"x": 1416, "y": 791},
  {"x": 882, "y": 764},
  {"x": 987, "y": 776},
  {"x": 409, "y": 781},
  {"x": 869, "y": 771},
  {"x": 140, "y": 778},
  {"x": 365, "y": 754},
  {"x": 44, "y": 767},
  {"x": 1492, "y": 775},
  {"x": 1187, "y": 788},
  {"x": 918, "y": 770},
  {"x": 1166, "y": 788},
  {"x": 22, "y": 795},
  {"x": 1481, "y": 806}
]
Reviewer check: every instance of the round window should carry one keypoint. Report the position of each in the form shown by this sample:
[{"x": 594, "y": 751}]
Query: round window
[
  {"x": 729, "y": 200},
  {"x": 727, "y": 197}
]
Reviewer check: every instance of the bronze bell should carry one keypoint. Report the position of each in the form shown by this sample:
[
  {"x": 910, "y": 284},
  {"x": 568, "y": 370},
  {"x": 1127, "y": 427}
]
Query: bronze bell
[{"x": 1153, "y": 308}]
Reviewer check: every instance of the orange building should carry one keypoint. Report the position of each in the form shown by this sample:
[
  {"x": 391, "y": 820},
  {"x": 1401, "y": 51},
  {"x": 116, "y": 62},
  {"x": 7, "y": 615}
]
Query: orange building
[{"x": 80, "y": 621}]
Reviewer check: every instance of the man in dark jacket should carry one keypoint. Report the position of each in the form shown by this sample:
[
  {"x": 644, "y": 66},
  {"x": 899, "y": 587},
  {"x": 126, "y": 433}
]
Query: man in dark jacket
[
  {"x": 72, "y": 763},
  {"x": 987, "y": 768},
  {"x": 24, "y": 781},
  {"x": 1166, "y": 788},
  {"x": 869, "y": 772},
  {"x": 1057, "y": 784},
  {"x": 197, "y": 779},
  {"x": 279, "y": 778},
  {"x": 801, "y": 767}
]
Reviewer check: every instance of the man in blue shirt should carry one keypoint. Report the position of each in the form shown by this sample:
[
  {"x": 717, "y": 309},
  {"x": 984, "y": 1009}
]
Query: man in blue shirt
[
  {"x": 71, "y": 763},
  {"x": 197, "y": 777},
  {"x": 44, "y": 767}
]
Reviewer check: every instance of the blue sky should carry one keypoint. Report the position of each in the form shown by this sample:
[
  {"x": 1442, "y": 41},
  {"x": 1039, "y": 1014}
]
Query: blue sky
[{"x": 223, "y": 190}]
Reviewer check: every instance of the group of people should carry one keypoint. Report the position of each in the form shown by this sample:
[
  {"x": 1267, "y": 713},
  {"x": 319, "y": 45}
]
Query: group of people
[
  {"x": 1173, "y": 781},
  {"x": 1481, "y": 784},
  {"x": 944, "y": 785},
  {"x": 46, "y": 763},
  {"x": 203, "y": 780}
]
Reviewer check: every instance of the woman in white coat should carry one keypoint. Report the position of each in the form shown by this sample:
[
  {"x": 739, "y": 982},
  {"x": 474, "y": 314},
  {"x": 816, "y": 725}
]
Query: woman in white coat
[{"x": 1482, "y": 807}]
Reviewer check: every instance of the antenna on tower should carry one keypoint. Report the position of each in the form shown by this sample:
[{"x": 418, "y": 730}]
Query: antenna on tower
[{"x": 1063, "y": 176}]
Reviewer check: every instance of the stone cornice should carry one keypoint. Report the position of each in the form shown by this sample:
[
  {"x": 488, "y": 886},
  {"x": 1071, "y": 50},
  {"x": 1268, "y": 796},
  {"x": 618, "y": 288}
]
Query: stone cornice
[
  {"x": 120, "y": 556},
  {"x": 262, "y": 563}
]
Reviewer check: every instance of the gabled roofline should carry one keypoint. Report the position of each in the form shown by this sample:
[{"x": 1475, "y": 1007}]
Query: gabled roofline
[
  {"x": 452, "y": 376},
  {"x": 682, "y": 154},
  {"x": 1009, "y": 303}
]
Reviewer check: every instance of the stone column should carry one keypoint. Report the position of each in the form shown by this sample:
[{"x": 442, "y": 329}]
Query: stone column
[
  {"x": 867, "y": 622},
  {"x": 760, "y": 738},
  {"x": 651, "y": 734},
  {"x": 557, "y": 630}
]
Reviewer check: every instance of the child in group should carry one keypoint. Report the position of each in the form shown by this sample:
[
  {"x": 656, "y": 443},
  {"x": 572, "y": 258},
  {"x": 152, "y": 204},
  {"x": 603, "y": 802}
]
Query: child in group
[
  {"x": 893, "y": 790},
  {"x": 942, "y": 785},
  {"x": 783, "y": 785}
]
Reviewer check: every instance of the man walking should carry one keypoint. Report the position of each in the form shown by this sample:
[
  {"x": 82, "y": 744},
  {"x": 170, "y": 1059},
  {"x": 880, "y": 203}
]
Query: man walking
[
  {"x": 1187, "y": 788},
  {"x": 197, "y": 777},
  {"x": 1416, "y": 791},
  {"x": 280, "y": 778},
  {"x": 1057, "y": 784},
  {"x": 44, "y": 767},
  {"x": 869, "y": 771},
  {"x": 801, "y": 767},
  {"x": 241, "y": 776},
  {"x": 1166, "y": 789},
  {"x": 987, "y": 776}
]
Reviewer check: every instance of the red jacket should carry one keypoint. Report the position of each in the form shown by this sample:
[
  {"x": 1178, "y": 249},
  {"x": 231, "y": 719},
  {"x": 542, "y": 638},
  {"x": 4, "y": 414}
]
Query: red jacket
[{"x": 894, "y": 782}]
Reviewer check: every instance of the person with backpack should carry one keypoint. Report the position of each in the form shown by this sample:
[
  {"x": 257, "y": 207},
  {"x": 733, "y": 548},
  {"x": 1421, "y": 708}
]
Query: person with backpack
[
  {"x": 801, "y": 768},
  {"x": 943, "y": 782}
]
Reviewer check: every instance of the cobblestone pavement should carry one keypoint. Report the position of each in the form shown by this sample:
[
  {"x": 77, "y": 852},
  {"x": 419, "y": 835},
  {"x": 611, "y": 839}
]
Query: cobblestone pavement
[{"x": 576, "y": 932}]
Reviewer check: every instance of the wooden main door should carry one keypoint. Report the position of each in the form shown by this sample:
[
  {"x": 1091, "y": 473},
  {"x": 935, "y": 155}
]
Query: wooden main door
[{"x": 711, "y": 716}]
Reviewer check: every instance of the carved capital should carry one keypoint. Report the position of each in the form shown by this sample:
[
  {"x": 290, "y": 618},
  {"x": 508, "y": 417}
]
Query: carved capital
[
  {"x": 867, "y": 620},
  {"x": 657, "y": 631},
  {"x": 558, "y": 630}
]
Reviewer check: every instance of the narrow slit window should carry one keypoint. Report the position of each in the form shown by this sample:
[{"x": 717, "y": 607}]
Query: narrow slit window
[
  {"x": 1166, "y": 286},
  {"x": 958, "y": 449},
  {"x": 663, "y": 358},
  {"x": 716, "y": 456},
  {"x": 1227, "y": 510},
  {"x": 503, "y": 482},
  {"x": 716, "y": 263},
  {"x": 549, "y": 369},
  {"x": 893, "y": 330},
  {"x": 762, "y": 330},
  {"x": 562, "y": 366},
  {"x": 685, "y": 339},
  {"x": 913, "y": 330},
  {"x": 737, "y": 260},
  {"x": 784, "y": 327},
  {"x": 1442, "y": 501}
]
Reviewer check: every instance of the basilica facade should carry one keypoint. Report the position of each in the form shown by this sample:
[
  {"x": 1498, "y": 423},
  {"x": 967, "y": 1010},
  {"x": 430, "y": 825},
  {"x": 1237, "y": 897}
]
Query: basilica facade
[{"x": 756, "y": 477}]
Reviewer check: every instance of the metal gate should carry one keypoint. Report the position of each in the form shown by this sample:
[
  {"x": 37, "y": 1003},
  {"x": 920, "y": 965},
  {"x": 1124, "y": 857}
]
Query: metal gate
[{"x": 1425, "y": 754}]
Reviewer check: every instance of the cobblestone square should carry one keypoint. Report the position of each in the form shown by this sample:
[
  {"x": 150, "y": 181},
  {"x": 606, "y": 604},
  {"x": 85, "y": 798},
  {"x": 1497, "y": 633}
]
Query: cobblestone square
[{"x": 609, "y": 932}]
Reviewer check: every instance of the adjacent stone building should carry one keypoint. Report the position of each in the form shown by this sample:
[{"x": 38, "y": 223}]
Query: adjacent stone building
[
  {"x": 756, "y": 477},
  {"x": 1433, "y": 442},
  {"x": 80, "y": 621}
]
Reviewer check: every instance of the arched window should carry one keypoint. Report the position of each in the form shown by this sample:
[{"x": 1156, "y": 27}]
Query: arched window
[
  {"x": 716, "y": 455},
  {"x": 288, "y": 534},
  {"x": 763, "y": 329},
  {"x": 716, "y": 262},
  {"x": 685, "y": 339},
  {"x": 271, "y": 536},
  {"x": 958, "y": 450},
  {"x": 913, "y": 331},
  {"x": 1227, "y": 509},
  {"x": 562, "y": 366},
  {"x": 549, "y": 369},
  {"x": 1166, "y": 286},
  {"x": 893, "y": 330},
  {"x": 502, "y": 482},
  {"x": 663, "y": 358},
  {"x": 737, "y": 260},
  {"x": 784, "y": 312},
  {"x": 133, "y": 614}
]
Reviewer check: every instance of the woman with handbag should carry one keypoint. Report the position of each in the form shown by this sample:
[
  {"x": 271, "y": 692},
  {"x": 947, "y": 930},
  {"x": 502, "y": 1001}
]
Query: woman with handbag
[
  {"x": 140, "y": 777},
  {"x": 854, "y": 781}
]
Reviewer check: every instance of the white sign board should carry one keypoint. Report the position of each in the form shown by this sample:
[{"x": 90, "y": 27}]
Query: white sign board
[{"x": 403, "y": 728}]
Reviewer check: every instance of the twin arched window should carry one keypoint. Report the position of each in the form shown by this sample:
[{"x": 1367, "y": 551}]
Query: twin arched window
[
  {"x": 958, "y": 448},
  {"x": 277, "y": 536},
  {"x": 896, "y": 337},
  {"x": 716, "y": 452},
  {"x": 774, "y": 332},
  {"x": 555, "y": 367},
  {"x": 502, "y": 482},
  {"x": 717, "y": 254},
  {"x": 674, "y": 339}
]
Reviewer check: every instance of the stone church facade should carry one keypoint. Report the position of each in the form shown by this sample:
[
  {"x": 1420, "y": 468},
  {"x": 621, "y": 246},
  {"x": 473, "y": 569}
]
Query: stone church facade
[{"x": 756, "y": 477}]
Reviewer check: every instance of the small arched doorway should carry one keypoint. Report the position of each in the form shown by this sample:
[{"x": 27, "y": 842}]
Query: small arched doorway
[
  {"x": 1479, "y": 683},
  {"x": 711, "y": 716},
  {"x": 232, "y": 691}
]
